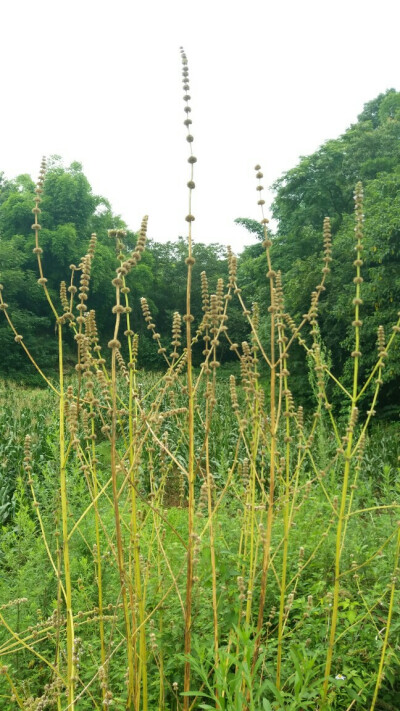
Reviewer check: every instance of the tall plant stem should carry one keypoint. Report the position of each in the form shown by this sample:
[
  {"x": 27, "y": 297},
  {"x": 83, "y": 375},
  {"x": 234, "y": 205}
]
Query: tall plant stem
[
  {"x": 16, "y": 696},
  {"x": 71, "y": 670},
  {"x": 388, "y": 622},
  {"x": 121, "y": 566},
  {"x": 286, "y": 529},
  {"x": 336, "y": 589},
  {"x": 59, "y": 602},
  {"x": 133, "y": 417},
  {"x": 252, "y": 503},
  {"x": 188, "y": 318},
  {"x": 191, "y": 480},
  {"x": 341, "y": 520},
  {"x": 120, "y": 555},
  {"x": 211, "y": 523},
  {"x": 273, "y": 428},
  {"x": 98, "y": 553}
]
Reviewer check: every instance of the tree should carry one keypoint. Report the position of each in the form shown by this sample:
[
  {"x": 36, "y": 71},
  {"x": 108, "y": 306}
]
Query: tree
[
  {"x": 322, "y": 185},
  {"x": 70, "y": 213}
]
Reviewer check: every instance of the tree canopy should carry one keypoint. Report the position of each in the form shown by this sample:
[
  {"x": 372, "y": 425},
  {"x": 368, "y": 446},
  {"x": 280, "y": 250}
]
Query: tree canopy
[
  {"x": 70, "y": 213},
  {"x": 321, "y": 185}
]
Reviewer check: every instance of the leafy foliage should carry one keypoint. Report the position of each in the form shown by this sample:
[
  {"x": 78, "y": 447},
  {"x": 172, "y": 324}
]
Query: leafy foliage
[
  {"x": 322, "y": 185},
  {"x": 70, "y": 213}
]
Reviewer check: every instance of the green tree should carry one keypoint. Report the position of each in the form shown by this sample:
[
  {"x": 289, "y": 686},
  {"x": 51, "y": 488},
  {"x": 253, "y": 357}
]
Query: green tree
[
  {"x": 322, "y": 185},
  {"x": 70, "y": 213}
]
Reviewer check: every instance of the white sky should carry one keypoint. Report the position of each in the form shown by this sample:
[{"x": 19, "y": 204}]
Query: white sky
[{"x": 100, "y": 82}]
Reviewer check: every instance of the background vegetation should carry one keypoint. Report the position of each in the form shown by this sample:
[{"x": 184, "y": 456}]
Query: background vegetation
[{"x": 321, "y": 184}]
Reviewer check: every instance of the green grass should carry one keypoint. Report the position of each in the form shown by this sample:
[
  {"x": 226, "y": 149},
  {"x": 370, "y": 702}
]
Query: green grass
[{"x": 27, "y": 573}]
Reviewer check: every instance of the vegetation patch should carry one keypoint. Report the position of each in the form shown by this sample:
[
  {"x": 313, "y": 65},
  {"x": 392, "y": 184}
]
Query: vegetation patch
[{"x": 220, "y": 530}]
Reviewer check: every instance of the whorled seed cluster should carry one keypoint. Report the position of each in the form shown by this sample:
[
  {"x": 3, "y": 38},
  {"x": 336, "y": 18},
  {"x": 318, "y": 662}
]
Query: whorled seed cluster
[
  {"x": 126, "y": 264},
  {"x": 264, "y": 221},
  {"x": 176, "y": 334},
  {"x": 28, "y": 458},
  {"x": 358, "y": 200},
  {"x": 147, "y": 314},
  {"x": 187, "y": 122},
  {"x": 3, "y": 305},
  {"x": 121, "y": 364},
  {"x": 327, "y": 236},
  {"x": 151, "y": 325},
  {"x": 358, "y": 232},
  {"x": 233, "y": 393},
  {"x": 382, "y": 343},
  {"x": 205, "y": 297},
  {"x": 85, "y": 268},
  {"x": 36, "y": 226},
  {"x": 63, "y": 296},
  {"x": 232, "y": 268}
]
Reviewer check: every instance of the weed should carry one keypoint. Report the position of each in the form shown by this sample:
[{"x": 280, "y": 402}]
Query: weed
[{"x": 177, "y": 541}]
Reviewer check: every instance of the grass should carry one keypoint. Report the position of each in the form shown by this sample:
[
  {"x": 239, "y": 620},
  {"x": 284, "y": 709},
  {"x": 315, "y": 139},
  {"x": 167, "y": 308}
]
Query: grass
[
  {"x": 180, "y": 540},
  {"x": 309, "y": 572}
]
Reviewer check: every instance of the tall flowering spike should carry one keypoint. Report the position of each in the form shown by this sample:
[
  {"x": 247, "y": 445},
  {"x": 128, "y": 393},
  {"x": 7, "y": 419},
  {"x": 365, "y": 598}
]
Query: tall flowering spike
[
  {"x": 141, "y": 243},
  {"x": 36, "y": 210},
  {"x": 135, "y": 346},
  {"x": 381, "y": 342},
  {"x": 146, "y": 313},
  {"x": 220, "y": 295},
  {"x": 92, "y": 245},
  {"x": 136, "y": 255},
  {"x": 36, "y": 227},
  {"x": 204, "y": 293},
  {"x": 358, "y": 200},
  {"x": 189, "y": 137},
  {"x": 232, "y": 267},
  {"x": 327, "y": 235},
  {"x": 63, "y": 296},
  {"x": 264, "y": 221},
  {"x": 176, "y": 331},
  {"x": 214, "y": 309},
  {"x": 27, "y": 464},
  {"x": 357, "y": 301},
  {"x": 42, "y": 175},
  {"x": 353, "y": 418},
  {"x": 255, "y": 315},
  {"x": 233, "y": 392},
  {"x": 300, "y": 417},
  {"x": 191, "y": 473},
  {"x": 121, "y": 364},
  {"x": 38, "y": 191},
  {"x": 279, "y": 292}
]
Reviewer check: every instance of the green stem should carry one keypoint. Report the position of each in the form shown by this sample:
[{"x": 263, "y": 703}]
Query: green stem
[
  {"x": 388, "y": 622},
  {"x": 71, "y": 669}
]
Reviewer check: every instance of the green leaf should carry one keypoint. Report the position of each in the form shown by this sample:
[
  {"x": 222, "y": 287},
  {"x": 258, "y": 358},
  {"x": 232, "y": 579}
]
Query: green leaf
[
  {"x": 196, "y": 693},
  {"x": 353, "y": 694},
  {"x": 276, "y": 693}
]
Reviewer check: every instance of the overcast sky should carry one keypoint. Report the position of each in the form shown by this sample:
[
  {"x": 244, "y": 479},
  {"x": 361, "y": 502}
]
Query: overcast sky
[{"x": 100, "y": 83}]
